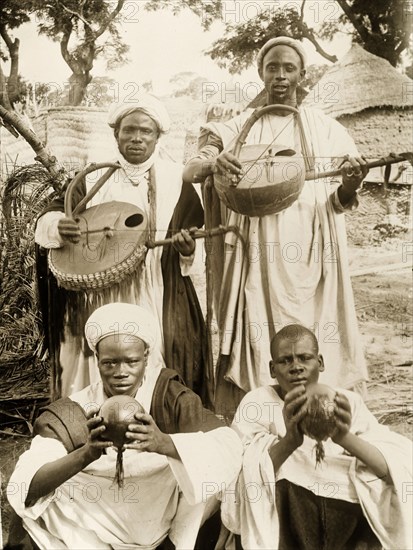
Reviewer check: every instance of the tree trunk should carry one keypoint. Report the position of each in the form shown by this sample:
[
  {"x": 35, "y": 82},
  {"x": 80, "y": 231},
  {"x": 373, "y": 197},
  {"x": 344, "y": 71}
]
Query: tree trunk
[
  {"x": 78, "y": 83},
  {"x": 12, "y": 82}
]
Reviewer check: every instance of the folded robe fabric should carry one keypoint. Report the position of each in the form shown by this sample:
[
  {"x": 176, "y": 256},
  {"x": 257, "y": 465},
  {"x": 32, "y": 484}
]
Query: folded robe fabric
[{"x": 249, "y": 506}]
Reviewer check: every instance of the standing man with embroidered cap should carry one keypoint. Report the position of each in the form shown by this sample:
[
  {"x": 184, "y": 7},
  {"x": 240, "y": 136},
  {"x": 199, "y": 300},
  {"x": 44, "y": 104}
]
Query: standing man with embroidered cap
[
  {"x": 177, "y": 458},
  {"x": 153, "y": 183},
  {"x": 294, "y": 268}
]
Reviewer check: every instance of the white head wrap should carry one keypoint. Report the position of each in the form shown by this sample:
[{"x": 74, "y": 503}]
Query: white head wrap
[
  {"x": 146, "y": 103},
  {"x": 280, "y": 41},
  {"x": 120, "y": 319}
]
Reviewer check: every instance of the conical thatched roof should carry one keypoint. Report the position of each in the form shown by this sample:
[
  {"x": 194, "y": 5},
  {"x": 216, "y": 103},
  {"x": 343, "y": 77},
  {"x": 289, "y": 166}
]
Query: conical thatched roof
[{"x": 358, "y": 81}]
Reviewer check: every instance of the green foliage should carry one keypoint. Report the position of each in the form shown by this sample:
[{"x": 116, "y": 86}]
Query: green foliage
[
  {"x": 194, "y": 88},
  {"x": 23, "y": 368},
  {"x": 100, "y": 92},
  {"x": 207, "y": 10},
  {"x": 13, "y": 13},
  {"x": 187, "y": 83},
  {"x": 313, "y": 74},
  {"x": 86, "y": 31},
  {"x": 382, "y": 27},
  {"x": 84, "y": 21},
  {"x": 26, "y": 93},
  {"x": 238, "y": 48}
]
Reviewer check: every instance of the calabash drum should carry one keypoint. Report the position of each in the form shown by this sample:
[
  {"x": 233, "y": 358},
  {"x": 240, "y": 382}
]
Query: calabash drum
[
  {"x": 273, "y": 175},
  {"x": 112, "y": 243}
]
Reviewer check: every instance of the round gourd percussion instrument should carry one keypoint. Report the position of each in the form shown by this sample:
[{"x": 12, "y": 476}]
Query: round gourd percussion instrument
[
  {"x": 114, "y": 239},
  {"x": 274, "y": 175}
]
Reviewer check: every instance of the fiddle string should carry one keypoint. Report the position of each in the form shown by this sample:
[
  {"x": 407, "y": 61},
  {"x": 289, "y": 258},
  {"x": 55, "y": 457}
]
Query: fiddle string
[
  {"x": 265, "y": 150},
  {"x": 332, "y": 166}
]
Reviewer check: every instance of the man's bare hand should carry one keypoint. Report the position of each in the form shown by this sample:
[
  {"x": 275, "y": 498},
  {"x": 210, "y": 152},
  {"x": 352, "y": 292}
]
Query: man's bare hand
[
  {"x": 95, "y": 445},
  {"x": 294, "y": 410},
  {"x": 183, "y": 243},
  {"x": 228, "y": 164},
  {"x": 69, "y": 230},
  {"x": 342, "y": 417},
  {"x": 146, "y": 436},
  {"x": 353, "y": 172}
]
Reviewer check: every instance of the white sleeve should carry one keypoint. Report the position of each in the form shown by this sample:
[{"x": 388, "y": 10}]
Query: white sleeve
[
  {"x": 47, "y": 234},
  {"x": 388, "y": 506},
  {"x": 186, "y": 263},
  {"x": 209, "y": 461},
  {"x": 42, "y": 451}
]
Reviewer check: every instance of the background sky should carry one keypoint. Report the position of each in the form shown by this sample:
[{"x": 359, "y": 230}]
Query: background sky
[{"x": 162, "y": 45}]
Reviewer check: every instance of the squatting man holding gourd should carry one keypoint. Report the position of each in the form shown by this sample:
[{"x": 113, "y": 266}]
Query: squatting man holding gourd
[
  {"x": 346, "y": 489},
  {"x": 167, "y": 455}
]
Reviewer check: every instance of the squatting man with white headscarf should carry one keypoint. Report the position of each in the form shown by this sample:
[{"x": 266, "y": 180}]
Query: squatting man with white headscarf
[
  {"x": 151, "y": 181},
  {"x": 174, "y": 449}
]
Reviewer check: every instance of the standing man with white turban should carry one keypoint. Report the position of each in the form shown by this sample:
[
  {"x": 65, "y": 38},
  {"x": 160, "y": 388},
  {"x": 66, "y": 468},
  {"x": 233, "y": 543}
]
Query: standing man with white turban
[
  {"x": 177, "y": 458},
  {"x": 294, "y": 268},
  {"x": 154, "y": 184}
]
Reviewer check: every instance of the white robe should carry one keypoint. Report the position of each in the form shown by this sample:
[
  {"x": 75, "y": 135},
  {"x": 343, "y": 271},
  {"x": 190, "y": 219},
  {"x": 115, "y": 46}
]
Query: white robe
[
  {"x": 160, "y": 495},
  {"x": 249, "y": 506},
  {"x": 295, "y": 269},
  {"x": 128, "y": 184}
]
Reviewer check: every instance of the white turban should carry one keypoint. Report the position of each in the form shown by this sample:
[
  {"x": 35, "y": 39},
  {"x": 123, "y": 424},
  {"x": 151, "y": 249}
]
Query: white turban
[
  {"x": 280, "y": 41},
  {"x": 146, "y": 103},
  {"x": 120, "y": 319}
]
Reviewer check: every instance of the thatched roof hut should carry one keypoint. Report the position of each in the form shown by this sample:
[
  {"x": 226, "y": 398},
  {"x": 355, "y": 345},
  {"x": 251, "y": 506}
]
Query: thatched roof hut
[{"x": 371, "y": 99}]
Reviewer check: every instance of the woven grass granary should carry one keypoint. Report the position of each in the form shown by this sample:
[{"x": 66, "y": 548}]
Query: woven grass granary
[
  {"x": 371, "y": 99},
  {"x": 75, "y": 135}
]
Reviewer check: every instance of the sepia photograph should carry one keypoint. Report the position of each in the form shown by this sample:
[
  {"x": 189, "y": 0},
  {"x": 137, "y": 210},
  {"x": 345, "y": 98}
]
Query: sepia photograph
[{"x": 206, "y": 306}]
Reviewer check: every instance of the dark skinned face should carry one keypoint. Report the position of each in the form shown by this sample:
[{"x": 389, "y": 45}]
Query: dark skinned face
[
  {"x": 295, "y": 363},
  {"x": 281, "y": 73},
  {"x": 137, "y": 137}
]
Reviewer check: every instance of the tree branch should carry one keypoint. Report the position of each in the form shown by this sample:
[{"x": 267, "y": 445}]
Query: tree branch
[
  {"x": 76, "y": 14},
  {"x": 360, "y": 28},
  {"x": 302, "y": 12},
  {"x": 309, "y": 34},
  {"x": 44, "y": 156},
  {"x": 110, "y": 18}
]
